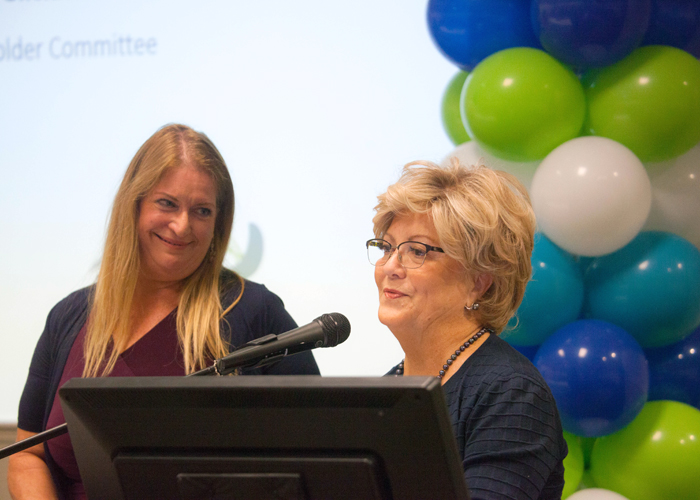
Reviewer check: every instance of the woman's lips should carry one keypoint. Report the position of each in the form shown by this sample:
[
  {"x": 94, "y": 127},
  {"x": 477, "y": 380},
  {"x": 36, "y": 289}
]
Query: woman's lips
[
  {"x": 171, "y": 242},
  {"x": 393, "y": 294}
]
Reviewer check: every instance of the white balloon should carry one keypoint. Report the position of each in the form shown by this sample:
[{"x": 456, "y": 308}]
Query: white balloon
[
  {"x": 470, "y": 153},
  {"x": 675, "y": 194},
  {"x": 596, "y": 494},
  {"x": 591, "y": 196}
]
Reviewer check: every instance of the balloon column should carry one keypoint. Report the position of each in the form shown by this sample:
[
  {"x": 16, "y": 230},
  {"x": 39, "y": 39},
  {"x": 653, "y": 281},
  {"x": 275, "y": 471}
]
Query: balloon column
[{"x": 595, "y": 107}]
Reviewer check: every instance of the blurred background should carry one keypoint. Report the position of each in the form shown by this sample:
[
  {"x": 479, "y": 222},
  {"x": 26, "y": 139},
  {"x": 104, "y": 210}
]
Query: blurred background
[{"x": 316, "y": 106}]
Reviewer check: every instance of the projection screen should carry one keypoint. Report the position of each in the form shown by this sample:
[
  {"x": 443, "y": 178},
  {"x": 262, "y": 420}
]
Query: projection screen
[{"x": 315, "y": 106}]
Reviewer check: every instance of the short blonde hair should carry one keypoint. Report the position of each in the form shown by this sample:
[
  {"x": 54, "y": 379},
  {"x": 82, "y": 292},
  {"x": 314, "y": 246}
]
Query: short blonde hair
[{"x": 483, "y": 219}]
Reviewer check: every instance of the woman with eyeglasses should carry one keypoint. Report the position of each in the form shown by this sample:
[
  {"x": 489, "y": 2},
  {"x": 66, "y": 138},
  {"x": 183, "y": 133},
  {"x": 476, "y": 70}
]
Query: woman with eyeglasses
[{"x": 452, "y": 259}]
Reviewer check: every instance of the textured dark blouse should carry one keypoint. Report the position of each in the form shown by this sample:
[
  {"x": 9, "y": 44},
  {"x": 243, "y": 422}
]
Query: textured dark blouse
[{"x": 507, "y": 426}]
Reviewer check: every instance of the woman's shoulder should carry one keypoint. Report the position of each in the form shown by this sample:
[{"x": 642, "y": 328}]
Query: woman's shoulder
[
  {"x": 234, "y": 287},
  {"x": 251, "y": 310},
  {"x": 496, "y": 362},
  {"x": 76, "y": 301},
  {"x": 252, "y": 300},
  {"x": 65, "y": 315},
  {"x": 505, "y": 356},
  {"x": 504, "y": 401},
  {"x": 500, "y": 379}
]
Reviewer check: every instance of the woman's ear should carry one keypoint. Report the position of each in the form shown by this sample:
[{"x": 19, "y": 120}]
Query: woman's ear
[{"x": 481, "y": 284}]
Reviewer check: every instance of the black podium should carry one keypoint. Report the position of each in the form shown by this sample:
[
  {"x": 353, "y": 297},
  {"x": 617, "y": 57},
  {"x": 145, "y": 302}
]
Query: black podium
[{"x": 264, "y": 437}]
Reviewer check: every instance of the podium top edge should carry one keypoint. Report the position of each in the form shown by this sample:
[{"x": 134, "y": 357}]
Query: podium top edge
[{"x": 254, "y": 382}]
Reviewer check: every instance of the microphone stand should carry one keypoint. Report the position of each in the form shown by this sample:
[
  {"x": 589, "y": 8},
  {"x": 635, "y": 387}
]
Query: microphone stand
[
  {"x": 226, "y": 365},
  {"x": 335, "y": 323},
  {"x": 215, "y": 369},
  {"x": 59, "y": 430}
]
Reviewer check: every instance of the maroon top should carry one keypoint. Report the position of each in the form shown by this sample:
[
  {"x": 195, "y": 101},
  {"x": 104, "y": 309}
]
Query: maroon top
[{"x": 155, "y": 354}]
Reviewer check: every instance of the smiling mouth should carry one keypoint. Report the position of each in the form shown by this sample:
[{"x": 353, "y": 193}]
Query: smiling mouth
[
  {"x": 393, "y": 294},
  {"x": 171, "y": 243}
]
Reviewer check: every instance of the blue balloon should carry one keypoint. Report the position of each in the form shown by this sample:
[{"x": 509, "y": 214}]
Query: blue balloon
[
  {"x": 650, "y": 287},
  {"x": 553, "y": 297},
  {"x": 467, "y": 31},
  {"x": 675, "y": 23},
  {"x": 674, "y": 371},
  {"x": 598, "y": 375},
  {"x": 529, "y": 351},
  {"x": 590, "y": 34}
]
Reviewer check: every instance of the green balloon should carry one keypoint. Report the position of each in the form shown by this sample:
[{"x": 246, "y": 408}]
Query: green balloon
[
  {"x": 587, "y": 481},
  {"x": 521, "y": 103},
  {"x": 649, "y": 101},
  {"x": 656, "y": 457},
  {"x": 587, "y": 447},
  {"x": 573, "y": 465},
  {"x": 451, "y": 114}
]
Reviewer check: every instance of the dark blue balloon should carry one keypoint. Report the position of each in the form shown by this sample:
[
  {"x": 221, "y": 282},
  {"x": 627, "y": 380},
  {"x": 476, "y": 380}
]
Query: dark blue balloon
[
  {"x": 590, "y": 33},
  {"x": 598, "y": 375},
  {"x": 675, "y": 23},
  {"x": 674, "y": 371},
  {"x": 553, "y": 297},
  {"x": 529, "y": 351},
  {"x": 467, "y": 31}
]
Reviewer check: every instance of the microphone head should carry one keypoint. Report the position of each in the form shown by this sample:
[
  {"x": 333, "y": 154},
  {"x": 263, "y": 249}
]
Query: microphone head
[{"x": 336, "y": 328}]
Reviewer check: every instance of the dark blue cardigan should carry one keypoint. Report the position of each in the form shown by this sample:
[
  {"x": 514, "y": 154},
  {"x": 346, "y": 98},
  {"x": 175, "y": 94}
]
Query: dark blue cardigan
[{"x": 259, "y": 312}]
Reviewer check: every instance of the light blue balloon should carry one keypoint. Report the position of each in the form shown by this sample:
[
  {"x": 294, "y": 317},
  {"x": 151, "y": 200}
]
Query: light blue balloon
[
  {"x": 553, "y": 297},
  {"x": 650, "y": 287}
]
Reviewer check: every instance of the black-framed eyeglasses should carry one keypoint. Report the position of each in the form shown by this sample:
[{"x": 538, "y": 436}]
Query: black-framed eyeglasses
[{"x": 411, "y": 253}]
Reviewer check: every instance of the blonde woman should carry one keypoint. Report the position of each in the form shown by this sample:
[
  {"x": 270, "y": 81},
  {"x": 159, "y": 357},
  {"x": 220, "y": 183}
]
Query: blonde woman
[
  {"x": 162, "y": 304},
  {"x": 452, "y": 258}
]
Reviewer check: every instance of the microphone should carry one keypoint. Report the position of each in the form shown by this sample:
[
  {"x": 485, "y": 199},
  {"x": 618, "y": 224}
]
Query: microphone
[{"x": 327, "y": 330}]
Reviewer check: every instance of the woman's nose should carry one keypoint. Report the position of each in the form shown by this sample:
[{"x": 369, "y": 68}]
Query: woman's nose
[
  {"x": 393, "y": 264},
  {"x": 180, "y": 223}
]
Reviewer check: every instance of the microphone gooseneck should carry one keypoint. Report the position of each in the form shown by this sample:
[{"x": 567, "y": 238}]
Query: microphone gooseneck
[{"x": 328, "y": 330}]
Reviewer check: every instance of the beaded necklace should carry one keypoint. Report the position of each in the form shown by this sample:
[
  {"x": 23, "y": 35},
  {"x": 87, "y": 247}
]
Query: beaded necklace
[{"x": 453, "y": 357}]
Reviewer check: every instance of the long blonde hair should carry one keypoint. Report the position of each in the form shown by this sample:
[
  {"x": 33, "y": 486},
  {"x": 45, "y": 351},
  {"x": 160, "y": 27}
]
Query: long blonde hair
[{"x": 199, "y": 308}]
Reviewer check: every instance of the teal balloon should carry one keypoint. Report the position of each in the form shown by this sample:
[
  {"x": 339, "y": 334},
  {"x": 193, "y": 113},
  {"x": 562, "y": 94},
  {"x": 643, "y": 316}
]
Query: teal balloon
[
  {"x": 451, "y": 112},
  {"x": 650, "y": 287},
  {"x": 553, "y": 297}
]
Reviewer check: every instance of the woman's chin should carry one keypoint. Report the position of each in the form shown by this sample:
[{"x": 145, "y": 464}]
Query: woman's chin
[{"x": 392, "y": 319}]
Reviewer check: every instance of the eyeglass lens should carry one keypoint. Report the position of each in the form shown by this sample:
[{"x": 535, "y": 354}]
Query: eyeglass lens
[{"x": 411, "y": 254}]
